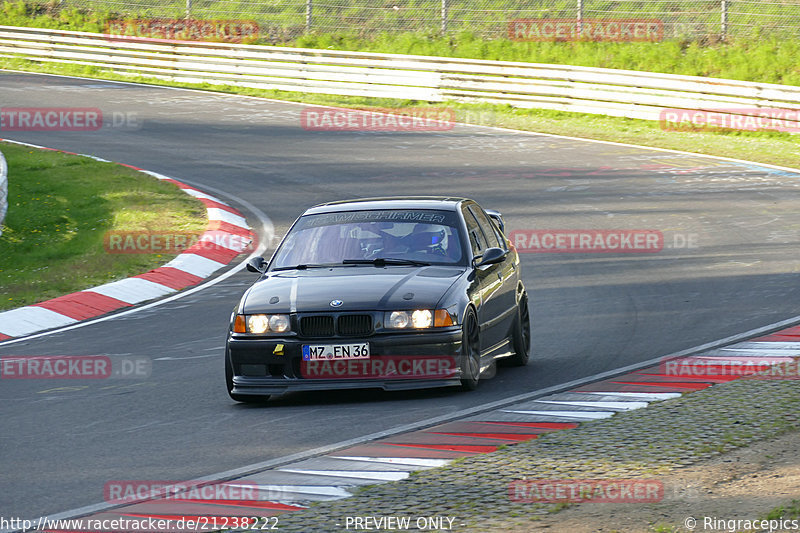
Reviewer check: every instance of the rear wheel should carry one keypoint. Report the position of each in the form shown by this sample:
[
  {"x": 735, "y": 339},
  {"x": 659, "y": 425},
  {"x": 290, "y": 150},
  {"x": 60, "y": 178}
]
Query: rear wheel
[
  {"x": 470, "y": 351},
  {"x": 243, "y": 398},
  {"x": 521, "y": 335}
]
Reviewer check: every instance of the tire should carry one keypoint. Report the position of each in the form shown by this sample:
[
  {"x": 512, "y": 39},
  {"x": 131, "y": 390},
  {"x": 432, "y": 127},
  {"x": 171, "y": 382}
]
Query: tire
[
  {"x": 521, "y": 335},
  {"x": 470, "y": 351},
  {"x": 242, "y": 398}
]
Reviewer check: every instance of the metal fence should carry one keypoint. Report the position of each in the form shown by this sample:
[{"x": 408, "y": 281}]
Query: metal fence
[{"x": 285, "y": 19}]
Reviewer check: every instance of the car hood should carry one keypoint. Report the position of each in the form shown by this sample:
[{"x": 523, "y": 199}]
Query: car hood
[{"x": 360, "y": 288}]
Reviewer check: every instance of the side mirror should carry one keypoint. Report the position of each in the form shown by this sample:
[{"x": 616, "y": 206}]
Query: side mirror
[
  {"x": 257, "y": 264},
  {"x": 498, "y": 218},
  {"x": 490, "y": 257}
]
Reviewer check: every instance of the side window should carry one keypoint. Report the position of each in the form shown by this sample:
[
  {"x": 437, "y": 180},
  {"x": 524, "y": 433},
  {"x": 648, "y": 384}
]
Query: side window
[
  {"x": 487, "y": 226},
  {"x": 476, "y": 238},
  {"x": 499, "y": 235}
]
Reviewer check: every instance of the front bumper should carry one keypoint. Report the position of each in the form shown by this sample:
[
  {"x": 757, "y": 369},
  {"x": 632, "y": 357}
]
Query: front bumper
[{"x": 397, "y": 362}]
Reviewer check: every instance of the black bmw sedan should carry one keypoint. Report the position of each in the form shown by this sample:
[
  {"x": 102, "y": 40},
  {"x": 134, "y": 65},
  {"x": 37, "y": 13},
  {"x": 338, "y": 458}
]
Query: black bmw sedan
[{"x": 387, "y": 293}]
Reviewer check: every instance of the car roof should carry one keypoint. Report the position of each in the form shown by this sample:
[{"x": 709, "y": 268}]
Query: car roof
[{"x": 445, "y": 203}]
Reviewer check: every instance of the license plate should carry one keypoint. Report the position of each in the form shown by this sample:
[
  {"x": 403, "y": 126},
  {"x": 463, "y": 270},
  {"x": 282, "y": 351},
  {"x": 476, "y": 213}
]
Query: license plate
[{"x": 326, "y": 352}]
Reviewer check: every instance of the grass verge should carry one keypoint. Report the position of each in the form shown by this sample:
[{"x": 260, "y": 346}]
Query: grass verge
[
  {"x": 777, "y": 148},
  {"x": 790, "y": 511},
  {"x": 59, "y": 208}
]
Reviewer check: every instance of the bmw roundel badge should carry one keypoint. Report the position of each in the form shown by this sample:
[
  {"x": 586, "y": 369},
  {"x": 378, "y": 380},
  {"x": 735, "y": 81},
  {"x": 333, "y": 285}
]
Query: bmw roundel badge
[{"x": 336, "y": 303}]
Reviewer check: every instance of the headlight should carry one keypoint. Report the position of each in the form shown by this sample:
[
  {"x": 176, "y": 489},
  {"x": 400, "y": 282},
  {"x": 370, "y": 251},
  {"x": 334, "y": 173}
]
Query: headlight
[
  {"x": 258, "y": 323},
  {"x": 261, "y": 324},
  {"x": 418, "y": 319},
  {"x": 279, "y": 323},
  {"x": 397, "y": 319},
  {"x": 422, "y": 318}
]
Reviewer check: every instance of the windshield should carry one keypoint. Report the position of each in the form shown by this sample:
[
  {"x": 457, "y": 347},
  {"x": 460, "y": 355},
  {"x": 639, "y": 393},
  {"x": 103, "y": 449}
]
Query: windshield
[{"x": 333, "y": 238}]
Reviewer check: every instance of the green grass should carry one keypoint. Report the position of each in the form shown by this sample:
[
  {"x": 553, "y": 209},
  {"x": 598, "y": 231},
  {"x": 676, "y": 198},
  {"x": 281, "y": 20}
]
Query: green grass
[
  {"x": 42, "y": 15},
  {"x": 792, "y": 511},
  {"x": 663, "y": 528},
  {"x": 59, "y": 208}
]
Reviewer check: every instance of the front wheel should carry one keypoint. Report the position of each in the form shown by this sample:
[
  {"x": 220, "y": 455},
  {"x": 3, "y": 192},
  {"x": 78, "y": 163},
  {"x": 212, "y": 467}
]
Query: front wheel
[
  {"x": 521, "y": 335},
  {"x": 243, "y": 398},
  {"x": 470, "y": 351}
]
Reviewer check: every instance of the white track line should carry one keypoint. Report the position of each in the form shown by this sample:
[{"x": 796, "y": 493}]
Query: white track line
[
  {"x": 644, "y": 396},
  {"x": 405, "y": 461},
  {"x": 583, "y": 415},
  {"x": 377, "y": 475},
  {"x": 628, "y": 406}
]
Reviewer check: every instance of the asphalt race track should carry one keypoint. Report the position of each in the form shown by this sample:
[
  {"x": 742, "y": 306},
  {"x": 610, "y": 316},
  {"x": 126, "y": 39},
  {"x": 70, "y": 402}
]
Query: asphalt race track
[{"x": 62, "y": 441}]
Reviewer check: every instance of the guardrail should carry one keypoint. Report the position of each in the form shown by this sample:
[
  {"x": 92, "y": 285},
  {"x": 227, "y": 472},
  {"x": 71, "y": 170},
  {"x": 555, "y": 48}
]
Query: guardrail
[
  {"x": 3, "y": 190},
  {"x": 643, "y": 95}
]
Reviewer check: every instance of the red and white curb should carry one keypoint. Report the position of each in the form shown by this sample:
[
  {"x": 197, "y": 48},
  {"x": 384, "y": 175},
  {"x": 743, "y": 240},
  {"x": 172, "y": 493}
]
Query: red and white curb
[
  {"x": 212, "y": 252},
  {"x": 293, "y": 486}
]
